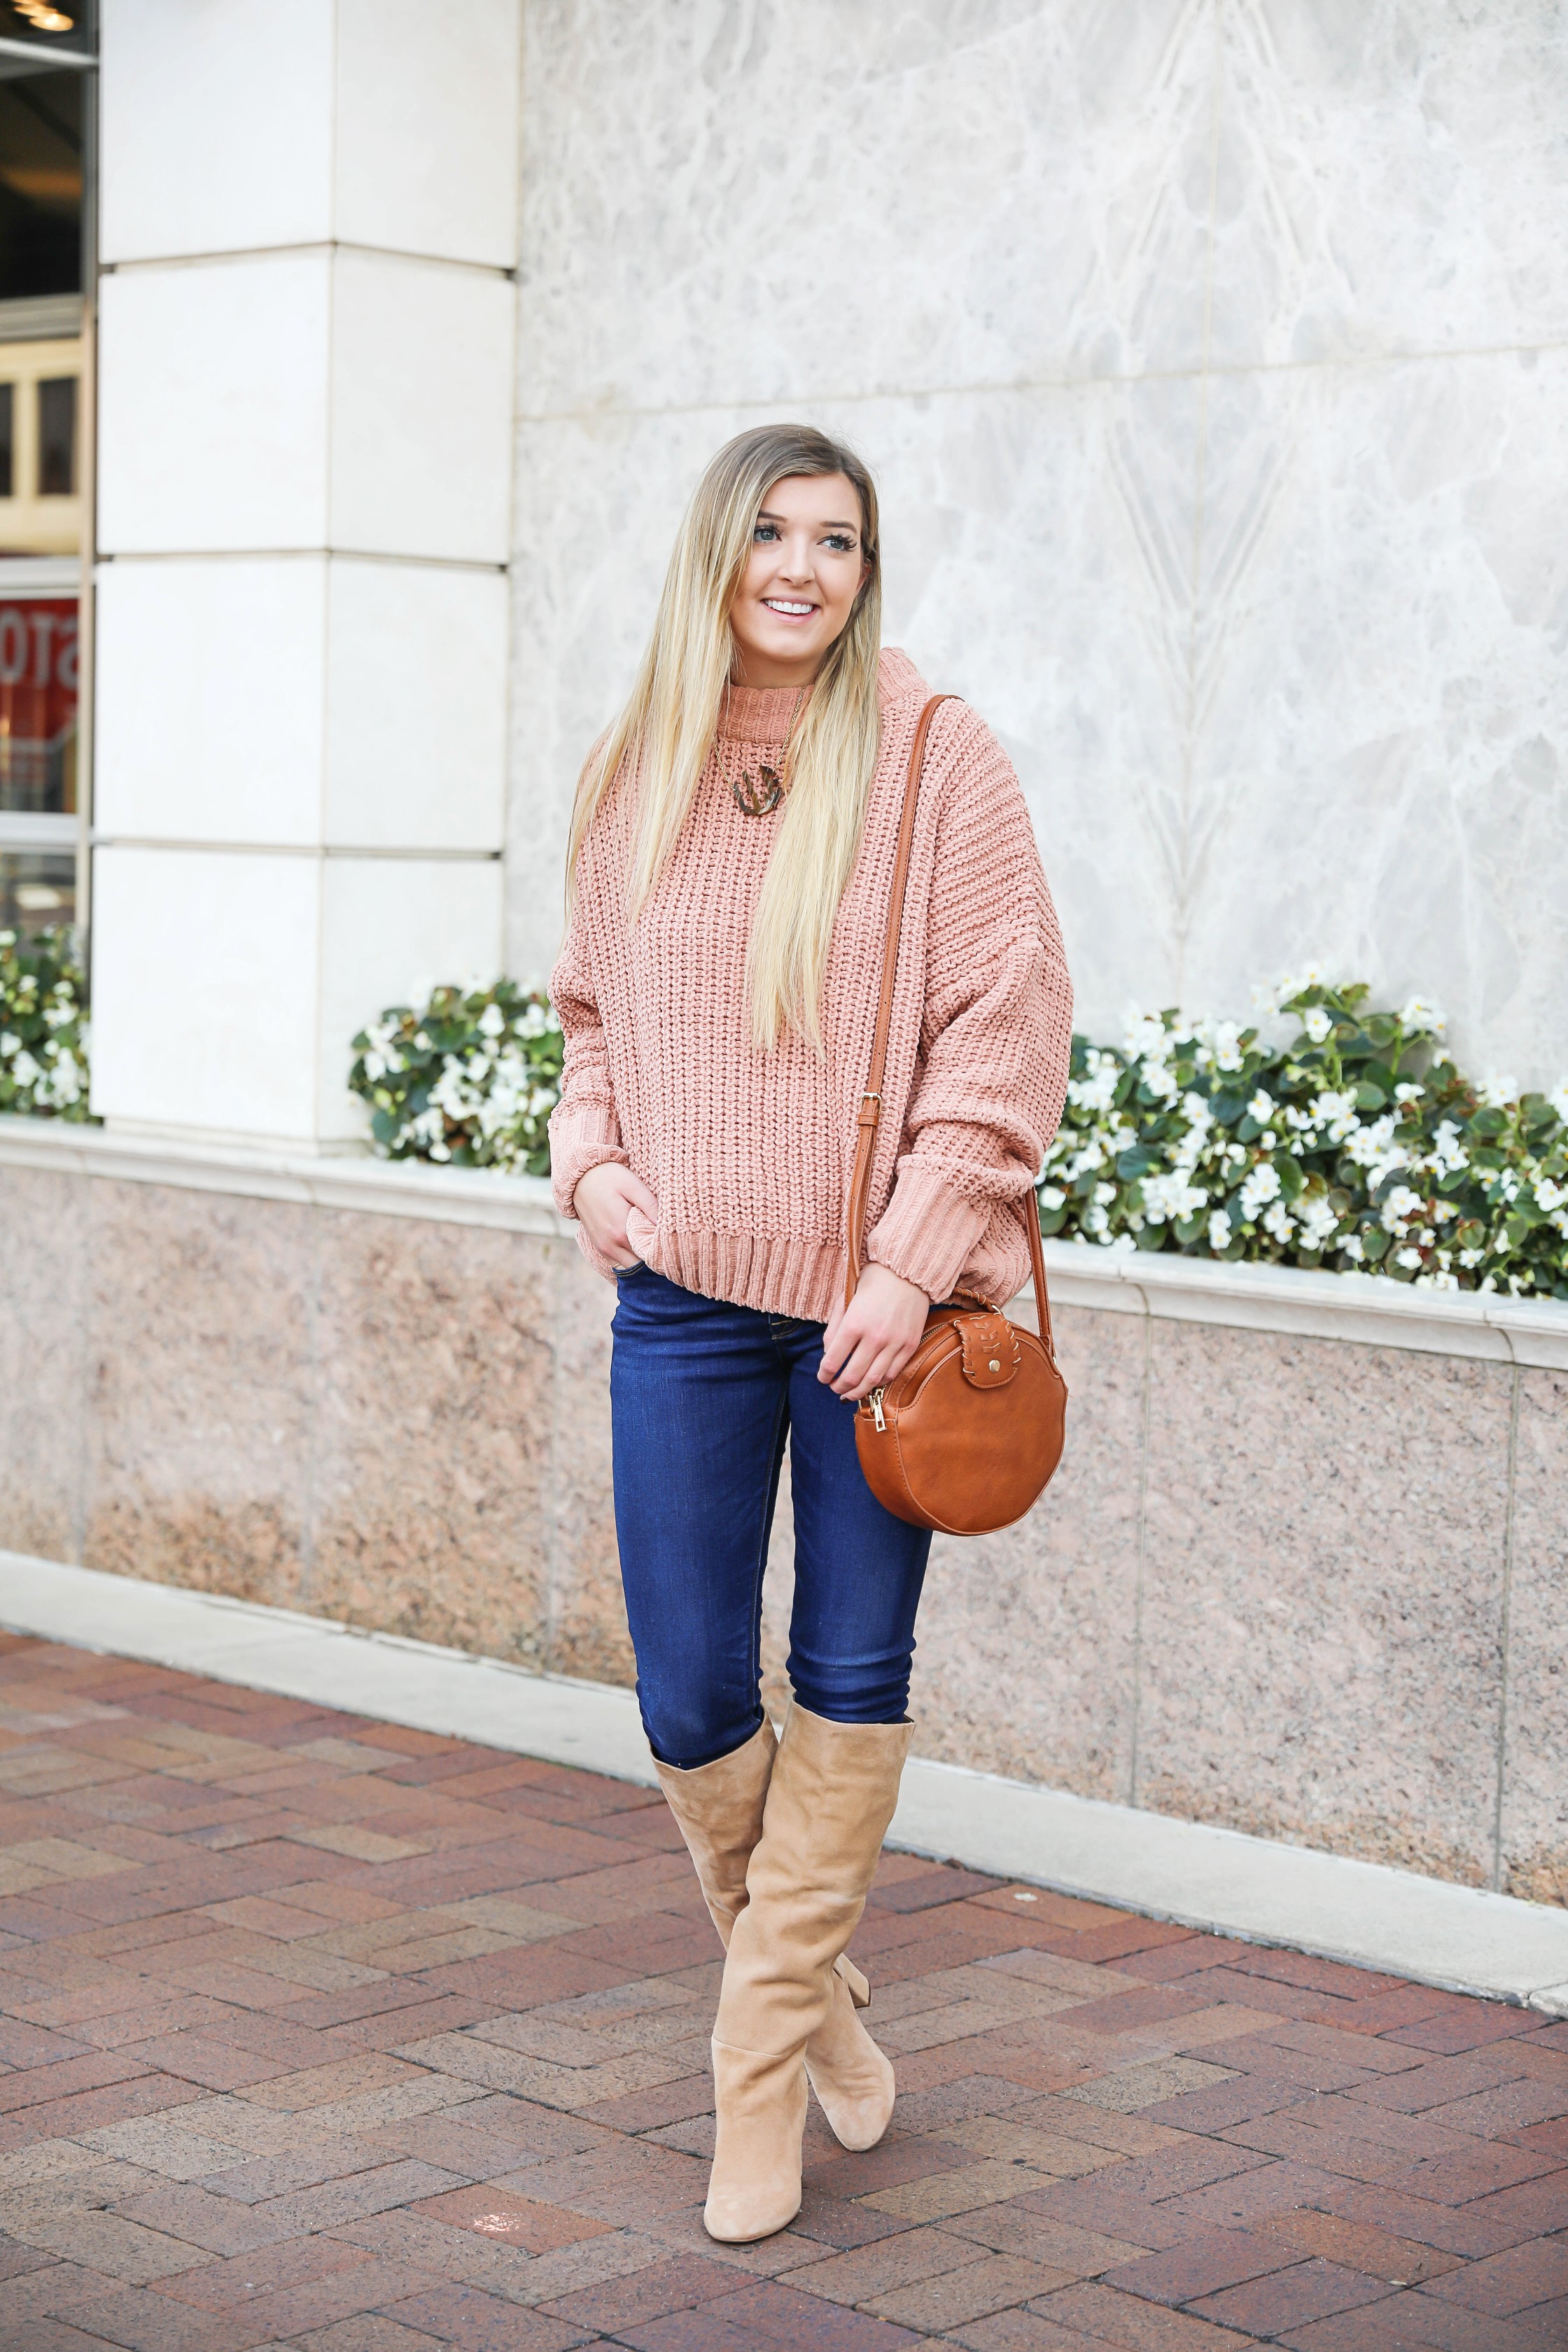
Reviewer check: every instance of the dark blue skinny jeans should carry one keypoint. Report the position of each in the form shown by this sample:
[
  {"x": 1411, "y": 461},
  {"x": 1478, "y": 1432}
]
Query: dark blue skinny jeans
[{"x": 703, "y": 1396}]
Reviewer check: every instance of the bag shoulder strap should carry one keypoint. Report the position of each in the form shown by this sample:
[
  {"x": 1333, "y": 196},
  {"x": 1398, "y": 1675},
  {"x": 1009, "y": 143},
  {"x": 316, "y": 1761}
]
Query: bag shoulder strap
[{"x": 870, "y": 1112}]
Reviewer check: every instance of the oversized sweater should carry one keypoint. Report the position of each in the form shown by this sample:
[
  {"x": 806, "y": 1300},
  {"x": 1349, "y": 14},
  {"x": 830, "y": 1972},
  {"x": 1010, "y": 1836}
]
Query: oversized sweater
[{"x": 748, "y": 1153}]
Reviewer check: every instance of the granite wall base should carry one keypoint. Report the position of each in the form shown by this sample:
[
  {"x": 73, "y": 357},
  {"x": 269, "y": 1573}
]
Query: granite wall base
[{"x": 1303, "y": 1588}]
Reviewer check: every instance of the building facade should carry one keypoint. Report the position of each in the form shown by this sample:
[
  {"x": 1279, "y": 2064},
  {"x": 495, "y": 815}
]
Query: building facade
[{"x": 1211, "y": 355}]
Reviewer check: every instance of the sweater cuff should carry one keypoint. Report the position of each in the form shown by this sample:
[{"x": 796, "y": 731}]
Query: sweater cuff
[
  {"x": 581, "y": 1138},
  {"x": 927, "y": 1232}
]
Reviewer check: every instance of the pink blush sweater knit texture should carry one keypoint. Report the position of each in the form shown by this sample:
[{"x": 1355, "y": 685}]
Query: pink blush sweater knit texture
[{"x": 749, "y": 1154}]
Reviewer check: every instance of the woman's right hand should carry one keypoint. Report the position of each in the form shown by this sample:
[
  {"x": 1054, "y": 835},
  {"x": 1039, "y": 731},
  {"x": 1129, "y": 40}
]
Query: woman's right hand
[{"x": 601, "y": 1201}]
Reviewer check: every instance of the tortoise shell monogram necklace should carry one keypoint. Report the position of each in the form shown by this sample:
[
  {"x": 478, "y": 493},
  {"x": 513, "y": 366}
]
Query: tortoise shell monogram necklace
[{"x": 760, "y": 794}]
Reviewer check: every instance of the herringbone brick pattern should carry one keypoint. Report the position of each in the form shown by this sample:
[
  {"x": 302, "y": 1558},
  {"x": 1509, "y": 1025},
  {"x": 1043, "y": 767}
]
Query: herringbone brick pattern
[{"x": 323, "y": 2033}]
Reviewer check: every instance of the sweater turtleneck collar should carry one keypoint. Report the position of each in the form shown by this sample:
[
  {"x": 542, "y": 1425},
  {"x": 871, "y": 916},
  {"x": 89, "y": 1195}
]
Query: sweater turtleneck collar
[
  {"x": 762, "y": 714},
  {"x": 759, "y": 714}
]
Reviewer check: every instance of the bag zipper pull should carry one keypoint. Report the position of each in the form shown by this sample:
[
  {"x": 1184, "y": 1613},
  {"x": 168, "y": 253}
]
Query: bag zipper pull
[{"x": 874, "y": 1402}]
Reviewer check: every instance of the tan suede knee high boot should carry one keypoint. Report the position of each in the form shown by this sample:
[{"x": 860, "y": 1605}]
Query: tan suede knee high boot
[
  {"x": 830, "y": 1800},
  {"x": 719, "y": 1811}
]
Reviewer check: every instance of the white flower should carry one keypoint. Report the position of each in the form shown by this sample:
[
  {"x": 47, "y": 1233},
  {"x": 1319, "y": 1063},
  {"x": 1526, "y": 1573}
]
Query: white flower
[
  {"x": 1261, "y": 1185},
  {"x": 492, "y": 1021},
  {"x": 1444, "y": 1281},
  {"x": 1051, "y": 1197},
  {"x": 1497, "y": 1093},
  {"x": 1103, "y": 1195},
  {"x": 1336, "y": 1112},
  {"x": 1261, "y": 1108},
  {"x": 1408, "y": 1093},
  {"x": 1277, "y": 1221},
  {"x": 1422, "y": 1018},
  {"x": 1096, "y": 1091},
  {"x": 1471, "y": 1256},
  {"x": 1159, "y": 1081},
  {"x": 1171, "y": 1196},
  {"x": 1351, "y": 1248},
  {"x": 1374, "y": 1148},
  {"x": 1220, "y": 1043},
  {"x": 1549, "y": 1195},
  {"x": 1147, "y": 1038},
  {"x": 1443, "y": 1209},
  {"x": 1318, "y": 1219},
  {"x": 1289, "y": 984},
  {"x": 1558, "y": 1098},
  {"x": 1317, "y": 1023},
  {"x": 1400, "y": 1207},
  {"x": 1448, "y": 1154},
  {"x": 9, "y": 1044},
  {"x": 24, "y": 1070},
  {"x": 1219, "y": 1232},
  {"x": 1408, "y": 1257}
]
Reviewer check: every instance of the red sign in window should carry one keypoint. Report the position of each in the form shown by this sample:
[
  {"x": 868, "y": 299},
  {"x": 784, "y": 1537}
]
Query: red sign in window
[{"x": 39, "y": 674}]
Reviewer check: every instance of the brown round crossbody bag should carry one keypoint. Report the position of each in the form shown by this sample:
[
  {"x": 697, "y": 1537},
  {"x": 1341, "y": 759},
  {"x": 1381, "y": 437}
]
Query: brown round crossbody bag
[{"x": 966, "y": 1438}]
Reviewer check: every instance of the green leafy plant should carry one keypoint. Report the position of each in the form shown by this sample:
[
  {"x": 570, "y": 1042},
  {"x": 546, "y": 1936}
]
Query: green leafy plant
[
  {"x": 470, "y": 1077},
  {"x": 43, "y": 1025},
  {"x": 1357, "y": 1146}
]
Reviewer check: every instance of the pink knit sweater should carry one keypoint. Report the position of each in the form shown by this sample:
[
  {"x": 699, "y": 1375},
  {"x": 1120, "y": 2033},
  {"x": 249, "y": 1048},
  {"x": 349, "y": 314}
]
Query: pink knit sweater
[{"x": 748, "y": 1154}]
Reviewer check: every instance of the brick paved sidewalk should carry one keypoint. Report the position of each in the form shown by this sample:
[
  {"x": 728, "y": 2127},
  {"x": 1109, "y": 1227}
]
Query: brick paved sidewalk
[{"x": 319, "y": 2033}]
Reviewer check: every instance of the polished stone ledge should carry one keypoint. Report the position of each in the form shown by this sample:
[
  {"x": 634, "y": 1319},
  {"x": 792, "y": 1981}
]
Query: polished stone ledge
[
  {"x": 1217, "y": 1880},
  {"x": 1366, "y": 1309}
]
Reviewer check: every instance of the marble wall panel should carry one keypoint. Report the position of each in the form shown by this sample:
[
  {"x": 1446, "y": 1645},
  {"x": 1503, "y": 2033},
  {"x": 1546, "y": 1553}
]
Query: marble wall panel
[
  {"x": 587, "y": 1616},
  {"x": 1323, "y": 1590},
  {"x": 1013, "y": 524},
  {"x": 1275, "y": 634},
  {"x": 1535, "y": 1777},
  {"x": 1389, "y": 176},
  {"x": 201, "y": 1326},
  {"x": 1379, "y": 773},
  {"x": 44, "y": 1261},
  {"x": 431, "y": 1440},
  {"x": 1025, "y": 1656},
  {"x": 1028, "y": 1639},
  {"x": 1028, "y": 191}
]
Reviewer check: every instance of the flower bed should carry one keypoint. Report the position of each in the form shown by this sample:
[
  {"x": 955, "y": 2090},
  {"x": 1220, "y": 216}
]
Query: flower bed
[
  {"x": 1355, "y": 1145},
  {"x": 470, "y": 1077},
  {"x": 43, "y": 1025}
]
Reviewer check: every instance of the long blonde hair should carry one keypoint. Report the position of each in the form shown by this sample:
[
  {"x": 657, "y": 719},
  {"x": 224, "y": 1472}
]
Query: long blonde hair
[{"x": 666, "y": 731}]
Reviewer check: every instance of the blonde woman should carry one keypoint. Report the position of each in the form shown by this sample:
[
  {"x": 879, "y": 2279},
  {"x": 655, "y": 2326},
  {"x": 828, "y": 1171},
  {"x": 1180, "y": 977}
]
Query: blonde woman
[{"x": 731, "y": 856}]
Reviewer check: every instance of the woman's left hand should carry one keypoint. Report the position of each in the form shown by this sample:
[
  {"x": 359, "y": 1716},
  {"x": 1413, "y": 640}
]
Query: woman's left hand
[{"x": 869, "y": 1342}]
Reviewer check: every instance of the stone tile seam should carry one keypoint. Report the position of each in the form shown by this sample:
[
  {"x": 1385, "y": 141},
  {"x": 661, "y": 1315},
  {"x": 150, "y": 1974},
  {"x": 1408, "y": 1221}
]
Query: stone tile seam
[
  {"x": 1024, "y": 387},
  {"x": 1366, "y": 1914},
  {"x": 1362, "y": 1310},
  {"x": 1505, "y": 1629}
]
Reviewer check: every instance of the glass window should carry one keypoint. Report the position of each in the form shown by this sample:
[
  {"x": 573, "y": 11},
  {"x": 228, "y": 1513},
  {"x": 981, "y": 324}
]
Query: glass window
[
  {"x": 37, "y": 888},
  {"x": 40, "y": 181},
  {"x": 39, "y": 676},
  {"x": 47, "y": 114},
  {"x": 57, "y": 437}
]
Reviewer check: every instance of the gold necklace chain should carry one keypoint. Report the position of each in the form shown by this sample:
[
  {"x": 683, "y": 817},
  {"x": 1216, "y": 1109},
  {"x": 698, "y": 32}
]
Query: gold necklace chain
[{"x": 759, "y": 795}]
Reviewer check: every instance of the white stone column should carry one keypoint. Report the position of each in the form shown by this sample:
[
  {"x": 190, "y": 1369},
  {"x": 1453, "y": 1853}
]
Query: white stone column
[{"x": 309, "y": 226}]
